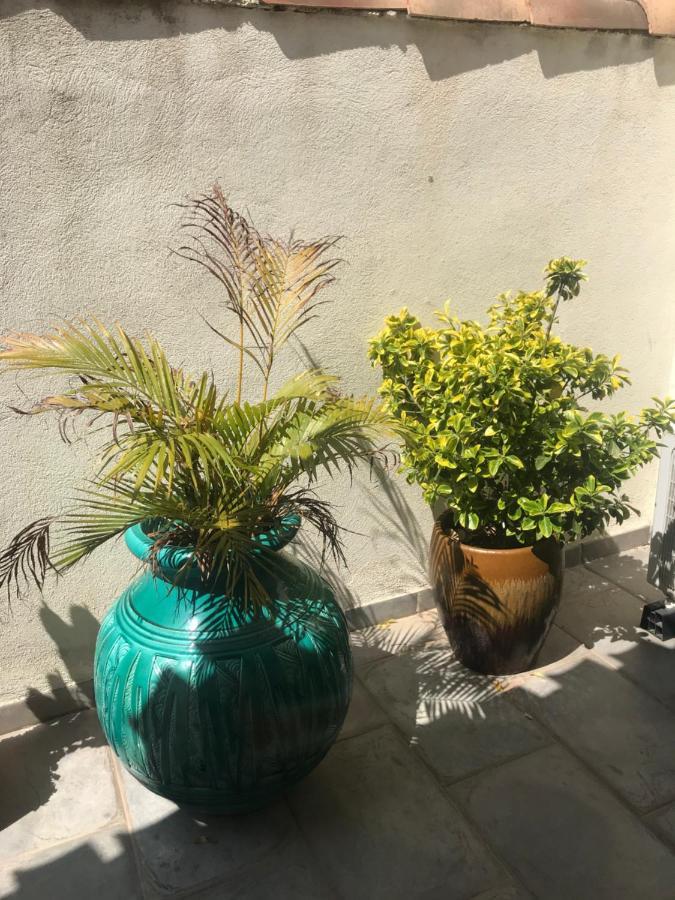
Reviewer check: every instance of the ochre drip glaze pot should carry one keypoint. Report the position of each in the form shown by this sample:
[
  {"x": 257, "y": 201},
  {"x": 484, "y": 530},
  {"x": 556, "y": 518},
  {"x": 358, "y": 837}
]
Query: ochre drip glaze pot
[{"x": 496, "y": 606}]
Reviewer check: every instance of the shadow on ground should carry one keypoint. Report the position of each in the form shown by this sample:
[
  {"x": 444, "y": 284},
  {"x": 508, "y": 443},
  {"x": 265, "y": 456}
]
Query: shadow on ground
[
  {"x": 29, "y": 762},
  {"x": 567, "y": 764}
]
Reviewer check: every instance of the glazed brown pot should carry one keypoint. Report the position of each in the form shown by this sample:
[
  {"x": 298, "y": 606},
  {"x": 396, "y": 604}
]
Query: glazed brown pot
[{"x": 496, "y": 606}]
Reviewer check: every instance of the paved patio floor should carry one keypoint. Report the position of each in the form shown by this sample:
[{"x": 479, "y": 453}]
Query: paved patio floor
[{"x": 559, "y": 783}]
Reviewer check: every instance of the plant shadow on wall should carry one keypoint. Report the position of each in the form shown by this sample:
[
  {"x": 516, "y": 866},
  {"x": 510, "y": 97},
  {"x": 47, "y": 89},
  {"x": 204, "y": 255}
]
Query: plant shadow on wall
[
  {"x": 75, "y": 641},
  {"x": 42, "y": 749},
  {"x": 474, "y": 45},
  {"x": 387, "y": 513},
  {"x": 391, "y": 516}
]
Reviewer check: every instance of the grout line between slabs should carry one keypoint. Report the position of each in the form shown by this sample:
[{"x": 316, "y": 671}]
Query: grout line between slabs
[
  {"x": 613, "y": 580},
  {"x": 554, "y": 739},
  {"x": 510, "y": 869},
  {"x": 613, "y": 663},
  {"x": 491, "y": 767},
  {"x": 660, "y": 808},
  {"x": 473, "y": 827},
  {"x": 27, "y": 855},
  {"x": 599, "y": 777},
  {"x": 324, "y": 880},
  {"x": 122, "y": 798}
]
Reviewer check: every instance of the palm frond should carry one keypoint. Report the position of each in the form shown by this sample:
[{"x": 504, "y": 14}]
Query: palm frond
[
  {"x": 224, "y": 242},
  {"x": 339, "y": 434},
  {"x": 271, "y": 285},
  {"x": 102, "y": 512},
  {"x": 318, "y": 513},
  {"x": 116, "y": 372},
  {"x": 289, "y": 276}
]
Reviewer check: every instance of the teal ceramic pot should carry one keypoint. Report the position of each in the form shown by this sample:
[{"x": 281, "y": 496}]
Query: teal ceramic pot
[{"x": 212, "y": 705}]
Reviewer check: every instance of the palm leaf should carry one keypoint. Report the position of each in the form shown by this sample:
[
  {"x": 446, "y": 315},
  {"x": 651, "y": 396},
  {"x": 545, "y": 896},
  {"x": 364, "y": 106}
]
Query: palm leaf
[
  {"x": 116, "y": 372},
  {"x": 270, "y": 285}
]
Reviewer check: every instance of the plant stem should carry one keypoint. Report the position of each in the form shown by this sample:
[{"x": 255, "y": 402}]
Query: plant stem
[
  {"x": 240, "y": 376},
  {"x": 268, "y": 371},
  {"x": 552, "y": 320}
]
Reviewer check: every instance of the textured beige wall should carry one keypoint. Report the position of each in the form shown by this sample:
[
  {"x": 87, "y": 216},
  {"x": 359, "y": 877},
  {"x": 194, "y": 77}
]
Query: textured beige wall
[{"x": 455, "y": 158}]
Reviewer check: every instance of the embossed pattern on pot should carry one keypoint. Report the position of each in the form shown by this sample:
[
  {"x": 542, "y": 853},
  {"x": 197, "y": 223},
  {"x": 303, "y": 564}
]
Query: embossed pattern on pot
[{"x": 216, "y": 706}]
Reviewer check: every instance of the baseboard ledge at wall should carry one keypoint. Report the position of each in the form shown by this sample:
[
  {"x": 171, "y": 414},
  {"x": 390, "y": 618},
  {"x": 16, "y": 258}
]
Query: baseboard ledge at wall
[
  {"x": 575, "y": 554},
  {"x": 40, "y": 707},
  {"x": 597, "y": 546}
]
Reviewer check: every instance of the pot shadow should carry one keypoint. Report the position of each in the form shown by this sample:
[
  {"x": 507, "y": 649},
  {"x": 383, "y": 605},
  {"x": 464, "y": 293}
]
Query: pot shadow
[
  {"x": 86, "y": 871},
  {"x": 29, "y": 759}
]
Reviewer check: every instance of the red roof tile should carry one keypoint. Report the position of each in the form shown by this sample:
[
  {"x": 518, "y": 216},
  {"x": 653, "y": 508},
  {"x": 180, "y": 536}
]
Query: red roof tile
[{"x": 655, "y": 16}]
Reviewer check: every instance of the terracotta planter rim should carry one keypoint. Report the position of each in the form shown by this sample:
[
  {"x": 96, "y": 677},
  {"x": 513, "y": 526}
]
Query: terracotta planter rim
[{"x": 473, "y": 548}]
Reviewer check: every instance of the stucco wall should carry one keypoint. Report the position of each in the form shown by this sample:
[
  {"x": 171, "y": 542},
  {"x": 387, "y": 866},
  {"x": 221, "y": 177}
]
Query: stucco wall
[{"x": 455, "y": 158}]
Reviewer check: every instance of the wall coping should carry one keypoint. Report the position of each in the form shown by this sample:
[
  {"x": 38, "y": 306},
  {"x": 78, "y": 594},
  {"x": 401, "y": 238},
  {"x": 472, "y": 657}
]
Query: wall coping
[{"x": 654, "y": 17}]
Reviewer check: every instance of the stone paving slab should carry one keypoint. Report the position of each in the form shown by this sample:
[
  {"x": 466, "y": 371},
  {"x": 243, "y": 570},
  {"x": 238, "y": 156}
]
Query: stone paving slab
[
  {"x": 598, "y": 612},
  {"x": 558, "y": 645},
  {"x": 628, "y": 570},
  {"x": 647, "y": 661},
  {"x": 564, "y": 834},
  {"x": 180, "y": 849},
  {"x": 606, "y": 618},
  {"x": 98, "y": 866},
  {"x": 459, "y": 721},
  {"x": 511, "y": 892},
  {"x": 396, "y": 637},
  {"x": 285, "y": 880},
  {"x": 46, "y": 778},
  {"x": 280, "y": 877},
  {"x": 663, "y": 822},
  {"x": 363, "y": 715},
  {"x": 619, "y": 731},
  {"x": 593, "y": 608},
  {"x": 379, "y": 826}
]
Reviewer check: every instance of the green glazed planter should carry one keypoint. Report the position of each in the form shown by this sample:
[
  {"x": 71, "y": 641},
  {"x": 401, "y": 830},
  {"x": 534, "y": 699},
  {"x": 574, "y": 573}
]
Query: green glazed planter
[{"x": 214, "y": 706}]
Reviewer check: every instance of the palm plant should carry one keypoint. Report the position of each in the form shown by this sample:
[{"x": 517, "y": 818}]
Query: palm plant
[{"x": 207, "y": 471}]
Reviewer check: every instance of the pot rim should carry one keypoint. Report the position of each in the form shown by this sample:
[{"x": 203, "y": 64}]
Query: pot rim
[
  {"x": 173, "y": 558},
  {"x": 529, "y": 548}
]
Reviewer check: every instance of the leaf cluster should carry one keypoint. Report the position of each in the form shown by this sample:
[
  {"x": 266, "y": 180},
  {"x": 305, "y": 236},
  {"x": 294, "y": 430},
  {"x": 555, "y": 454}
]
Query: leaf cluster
[{"x": 497, "y": 422}]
